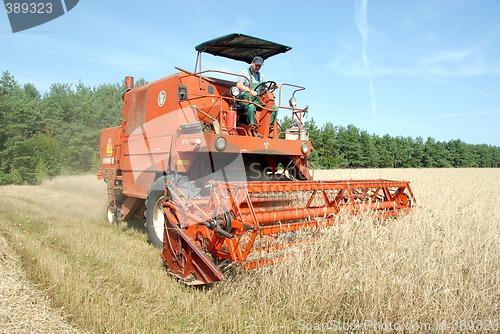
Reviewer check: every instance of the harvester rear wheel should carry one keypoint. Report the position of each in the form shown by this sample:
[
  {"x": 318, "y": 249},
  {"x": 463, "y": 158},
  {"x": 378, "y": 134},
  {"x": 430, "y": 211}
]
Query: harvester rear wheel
[{"x": 155, "y": 219}]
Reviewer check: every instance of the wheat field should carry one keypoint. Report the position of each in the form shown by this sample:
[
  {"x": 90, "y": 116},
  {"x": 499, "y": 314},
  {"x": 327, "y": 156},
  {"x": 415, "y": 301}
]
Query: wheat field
[{"x": 434, "y": 270}]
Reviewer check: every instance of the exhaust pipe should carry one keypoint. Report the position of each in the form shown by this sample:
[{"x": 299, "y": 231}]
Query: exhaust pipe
[{"x": 129, "y": 83}]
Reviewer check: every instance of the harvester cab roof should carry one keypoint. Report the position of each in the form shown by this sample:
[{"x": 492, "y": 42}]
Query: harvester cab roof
[{"x": 241, "y": 47}]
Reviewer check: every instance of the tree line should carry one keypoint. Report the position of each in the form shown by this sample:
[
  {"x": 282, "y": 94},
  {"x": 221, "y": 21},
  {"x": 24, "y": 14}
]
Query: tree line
[
  {"x": 351, "y": 147},
  {"x": 57, "y": 133},
  {"x": 42, "y": 136}
]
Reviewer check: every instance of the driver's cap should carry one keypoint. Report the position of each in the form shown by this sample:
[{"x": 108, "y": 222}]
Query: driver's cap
[{"x": 258, "y": 60}]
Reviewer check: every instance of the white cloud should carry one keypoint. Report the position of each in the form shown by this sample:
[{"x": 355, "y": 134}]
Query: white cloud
[
  {"x": 442, "y": 63},
  {"x": 454, "y": 63}
]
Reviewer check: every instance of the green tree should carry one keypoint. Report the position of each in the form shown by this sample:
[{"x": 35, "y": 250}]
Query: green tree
[
  {"x": 402, "y": 152},
  {"x": 37, "y": 158},
  {"x": 460, "y": 154},
  {"x": 442, "y": 155},
  {"x": 428, "y": 159},
  {"x": 417, "y": 155},
  {"x": 384, "y": 147},
  {"x": 369, "y": 156},
  {"x": 20, "y": 117},
  {"x": 350, "y": 146}
]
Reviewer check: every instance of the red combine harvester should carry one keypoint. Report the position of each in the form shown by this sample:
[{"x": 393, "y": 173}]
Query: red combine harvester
[{"x": 214, "y": 189}]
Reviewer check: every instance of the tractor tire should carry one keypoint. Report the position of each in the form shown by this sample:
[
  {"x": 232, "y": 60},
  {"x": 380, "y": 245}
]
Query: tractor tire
[{"x": 155, "y": 220}]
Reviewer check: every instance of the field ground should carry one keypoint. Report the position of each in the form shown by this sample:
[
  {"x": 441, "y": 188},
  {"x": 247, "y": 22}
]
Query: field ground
[
  {"x": 23, "y": 308},
  {"x": 64, "y": 269}
]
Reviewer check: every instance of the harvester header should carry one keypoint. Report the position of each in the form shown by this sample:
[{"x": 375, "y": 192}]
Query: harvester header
[{"x": 215, "y": 187}]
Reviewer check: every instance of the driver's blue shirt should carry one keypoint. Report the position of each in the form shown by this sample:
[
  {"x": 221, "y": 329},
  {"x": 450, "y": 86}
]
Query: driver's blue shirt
[{"x": 256, "y": 78}]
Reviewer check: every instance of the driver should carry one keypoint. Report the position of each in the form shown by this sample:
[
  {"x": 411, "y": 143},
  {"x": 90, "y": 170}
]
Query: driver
[{"x": 257, "y": 77}]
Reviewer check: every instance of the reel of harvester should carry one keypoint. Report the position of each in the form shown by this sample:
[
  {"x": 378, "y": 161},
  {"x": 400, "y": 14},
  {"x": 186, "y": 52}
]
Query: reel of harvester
[{"x": 238, "y": 221}]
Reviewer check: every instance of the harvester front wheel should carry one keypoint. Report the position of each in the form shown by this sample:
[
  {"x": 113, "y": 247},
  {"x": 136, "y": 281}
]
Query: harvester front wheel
[
  {"x": 155, "y": 219},
  {"x": 112, "y": 215}
]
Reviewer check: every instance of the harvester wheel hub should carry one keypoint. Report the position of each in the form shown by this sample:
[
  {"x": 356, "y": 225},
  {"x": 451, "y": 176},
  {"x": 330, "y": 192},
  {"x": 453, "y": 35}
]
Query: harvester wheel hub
[
  {"x": 159, "y": 218},
  {"x": 112, "y": 215}
]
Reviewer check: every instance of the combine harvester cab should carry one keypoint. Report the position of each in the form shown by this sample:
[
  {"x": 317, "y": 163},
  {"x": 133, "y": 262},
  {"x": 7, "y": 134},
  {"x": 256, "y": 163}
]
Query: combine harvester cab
[{"x": 215, "y": 189}]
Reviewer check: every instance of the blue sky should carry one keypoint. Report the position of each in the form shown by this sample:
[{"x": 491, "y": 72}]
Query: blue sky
[{"x": 407, "y": 68}]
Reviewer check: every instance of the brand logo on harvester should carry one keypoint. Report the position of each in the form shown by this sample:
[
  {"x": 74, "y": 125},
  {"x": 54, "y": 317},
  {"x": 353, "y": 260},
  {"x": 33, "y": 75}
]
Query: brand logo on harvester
[{"x": 26, "y": 14}]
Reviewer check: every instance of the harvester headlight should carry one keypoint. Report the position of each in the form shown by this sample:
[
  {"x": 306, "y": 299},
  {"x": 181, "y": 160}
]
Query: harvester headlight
[
  {"x": 220, "y": 143},
  {"x": 292, "y": 102},
  {"x": 235, "y": 91},
  {"x": 304, "y": 148}
]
